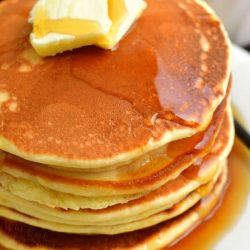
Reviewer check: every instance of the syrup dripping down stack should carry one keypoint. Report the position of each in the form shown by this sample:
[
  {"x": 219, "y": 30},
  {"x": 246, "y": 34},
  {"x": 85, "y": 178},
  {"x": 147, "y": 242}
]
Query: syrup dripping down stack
[{"x": 114, "y": 150}]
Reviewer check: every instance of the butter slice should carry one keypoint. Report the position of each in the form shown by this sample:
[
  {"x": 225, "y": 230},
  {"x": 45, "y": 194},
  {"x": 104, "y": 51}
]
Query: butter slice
[
  {"x": 123, "y": 14},
  {"x": 60, "y": 25}
]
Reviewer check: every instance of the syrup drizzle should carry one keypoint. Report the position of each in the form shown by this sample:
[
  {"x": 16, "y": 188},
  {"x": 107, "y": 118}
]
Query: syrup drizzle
[{"x": 231, "y": 207}]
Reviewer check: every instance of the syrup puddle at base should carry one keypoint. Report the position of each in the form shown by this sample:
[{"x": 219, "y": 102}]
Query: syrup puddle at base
[{"x": 210, "y": 232}]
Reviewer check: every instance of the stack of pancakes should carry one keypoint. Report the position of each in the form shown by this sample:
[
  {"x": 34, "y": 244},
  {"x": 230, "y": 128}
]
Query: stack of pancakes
[{"x": 123, "y": 149}]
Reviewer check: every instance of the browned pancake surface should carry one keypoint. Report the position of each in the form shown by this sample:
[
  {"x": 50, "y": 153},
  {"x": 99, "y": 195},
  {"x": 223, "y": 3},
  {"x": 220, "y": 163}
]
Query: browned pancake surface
[
  {"x": 132, "y": 180},
  {"x": 93, "y": 103}
]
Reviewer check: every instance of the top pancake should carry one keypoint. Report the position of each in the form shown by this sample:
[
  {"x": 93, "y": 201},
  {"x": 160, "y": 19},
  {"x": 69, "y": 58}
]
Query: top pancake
[{"x": 93, "y": 108}]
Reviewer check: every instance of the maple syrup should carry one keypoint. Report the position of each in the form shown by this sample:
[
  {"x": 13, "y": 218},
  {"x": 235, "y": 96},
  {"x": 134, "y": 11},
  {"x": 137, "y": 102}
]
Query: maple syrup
[{"x": 232, "y": 205}]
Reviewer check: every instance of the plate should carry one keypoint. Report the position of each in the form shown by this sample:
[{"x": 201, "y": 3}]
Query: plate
[
  {"x": 241, "y": 83},
  {"x": 238, "y": 236}
]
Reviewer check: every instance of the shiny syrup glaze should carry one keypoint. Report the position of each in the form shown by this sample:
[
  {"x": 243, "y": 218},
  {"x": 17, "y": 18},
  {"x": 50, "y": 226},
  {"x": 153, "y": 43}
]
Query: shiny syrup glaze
[
  {"x": 163, "y": 78},
  {"x": 231, "y": 207}
]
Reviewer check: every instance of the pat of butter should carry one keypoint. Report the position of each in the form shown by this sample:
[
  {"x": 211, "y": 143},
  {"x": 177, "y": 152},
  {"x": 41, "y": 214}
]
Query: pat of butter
[
  {"x": 123, "y": 14},
  {"x": 60, "y": 25}
]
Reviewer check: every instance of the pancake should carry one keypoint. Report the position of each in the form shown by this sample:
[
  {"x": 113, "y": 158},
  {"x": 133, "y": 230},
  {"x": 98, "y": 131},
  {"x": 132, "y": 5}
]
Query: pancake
[
  {"x": 20, "y": 186},
  {"x": 15, "y": 235},
  {"x": 115, "y": 228},
  {"x": 148, "y": 176},
  {"x": 180, "y": 208},
  {"x": 129, "y": 109},
  {"x": 130, "y": 213},
  {"x": 123, "y": 149}
]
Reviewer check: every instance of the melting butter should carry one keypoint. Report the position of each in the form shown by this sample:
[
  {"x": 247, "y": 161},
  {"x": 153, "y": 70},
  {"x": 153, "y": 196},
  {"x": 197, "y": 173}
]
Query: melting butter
[
  {"x": 123, "y": 14},
  {"x": 60, "y": 25},
  {"x": 43, "y": 25}
]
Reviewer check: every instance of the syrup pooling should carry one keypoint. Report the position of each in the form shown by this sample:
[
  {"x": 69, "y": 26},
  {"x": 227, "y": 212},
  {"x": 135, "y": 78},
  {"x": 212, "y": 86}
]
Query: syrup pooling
[
  {"x": 230, "y": 208},
  {"x": 153, "y": 79}
]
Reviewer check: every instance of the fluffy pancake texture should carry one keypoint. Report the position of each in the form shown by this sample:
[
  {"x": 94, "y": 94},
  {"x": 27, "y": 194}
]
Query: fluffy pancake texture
[
  {"x": 15, "y": 235},
  {"x": 114, "y": 150},
  {"x": 147, "y": 176},
  {"x": 131, "y": 106},
  {"x": 168, "y": 201}
]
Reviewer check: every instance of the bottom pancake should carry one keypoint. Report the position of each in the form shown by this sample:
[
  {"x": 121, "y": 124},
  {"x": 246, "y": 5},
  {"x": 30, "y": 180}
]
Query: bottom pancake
[{"x": 19, "y": 236}]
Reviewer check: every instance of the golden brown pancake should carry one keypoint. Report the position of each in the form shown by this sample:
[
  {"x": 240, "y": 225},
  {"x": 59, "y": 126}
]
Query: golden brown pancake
[
  {"x": 128, "y": 180},
  {"x": 16, "y": 235},
  {"x": 92, "y": 108},
  {"x": 131, "y": 142},
  {"x": 179, "y": 187},
  {"x": 134, "y": 214},
  {"x": 59, "y": 226}
]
